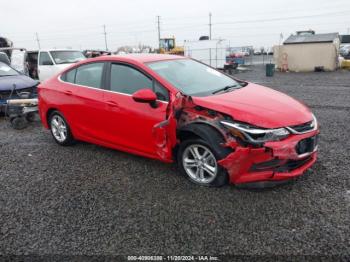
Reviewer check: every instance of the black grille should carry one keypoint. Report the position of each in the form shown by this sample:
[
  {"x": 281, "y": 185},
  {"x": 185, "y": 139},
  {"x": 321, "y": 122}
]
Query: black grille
[
  {"x": 266, "y": 165},
  {"x": 277, "y": 165},
  {"x": 306, "y": 145},
  {"x": 293, "y": 164},
  {"x": 303, "y": 127}
]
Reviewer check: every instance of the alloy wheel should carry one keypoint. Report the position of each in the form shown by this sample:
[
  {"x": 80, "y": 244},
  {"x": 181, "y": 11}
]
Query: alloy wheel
[
  {"x": 59, "y": 128},
  {"x": 200, "y": 163}
]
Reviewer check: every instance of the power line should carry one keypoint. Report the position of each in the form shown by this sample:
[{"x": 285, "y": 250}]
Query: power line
[
  {"x": 210, "y": 26},
  {"x": 280, "y": 18},
  {"x": 37, "y": 40},
  {"x": 173, "y": 27},
  {"x": 158, "y": 22},
  {"x": 105, "y": 33},
  {"x": 137, "y": 23},
  {"x": 192, "y": 25},
  {"x": 183, "y": 28}
]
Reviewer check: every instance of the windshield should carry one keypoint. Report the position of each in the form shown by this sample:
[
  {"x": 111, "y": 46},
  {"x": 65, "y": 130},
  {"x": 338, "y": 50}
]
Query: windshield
[
  {"x": 191, "y": 77},
  {"x": 5, "y": 70},
  {"x": 67, "y": 57}
]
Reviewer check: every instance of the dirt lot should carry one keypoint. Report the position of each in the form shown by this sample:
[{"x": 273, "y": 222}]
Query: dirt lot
[{"x": 91, "y": 200}]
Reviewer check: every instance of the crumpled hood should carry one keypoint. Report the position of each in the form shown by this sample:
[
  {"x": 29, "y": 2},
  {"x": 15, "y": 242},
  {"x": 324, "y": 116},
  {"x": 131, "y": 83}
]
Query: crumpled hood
[
  {"x": 21, "y": 82},
  {"x": 258, "y": 105}
]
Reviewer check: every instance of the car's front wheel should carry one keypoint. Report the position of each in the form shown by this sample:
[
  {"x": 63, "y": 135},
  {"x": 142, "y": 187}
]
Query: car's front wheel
[
  {"x": 199, "y": 162},
  {"x": 60, "y": 129}
]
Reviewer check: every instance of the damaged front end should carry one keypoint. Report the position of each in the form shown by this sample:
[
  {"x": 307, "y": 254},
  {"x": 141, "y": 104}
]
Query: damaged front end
[
  {"x": 271, "y": 154},
  {"x": 255, "y": 154}
]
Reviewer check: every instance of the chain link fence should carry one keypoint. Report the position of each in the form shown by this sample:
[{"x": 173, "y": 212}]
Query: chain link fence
[{"x": 219, "y": 57}]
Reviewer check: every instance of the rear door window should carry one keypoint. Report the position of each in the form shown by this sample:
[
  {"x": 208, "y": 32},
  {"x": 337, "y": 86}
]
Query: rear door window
[
  {"x": 89, "y": 75},
  {"x": 70, "y": 76},
  {"x": 127, "y": 80}
]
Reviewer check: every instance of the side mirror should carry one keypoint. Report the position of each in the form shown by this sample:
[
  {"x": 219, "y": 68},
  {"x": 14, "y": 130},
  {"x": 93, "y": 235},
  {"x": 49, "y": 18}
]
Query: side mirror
[{"x": 145, "y": 96}]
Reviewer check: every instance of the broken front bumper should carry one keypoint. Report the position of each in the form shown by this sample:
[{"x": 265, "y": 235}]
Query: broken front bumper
[{"x": 275, "y": 161}]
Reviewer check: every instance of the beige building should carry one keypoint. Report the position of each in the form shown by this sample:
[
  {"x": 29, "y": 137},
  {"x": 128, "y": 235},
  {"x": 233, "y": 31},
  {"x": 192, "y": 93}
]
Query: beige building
[{"x": 307, "y": 51}]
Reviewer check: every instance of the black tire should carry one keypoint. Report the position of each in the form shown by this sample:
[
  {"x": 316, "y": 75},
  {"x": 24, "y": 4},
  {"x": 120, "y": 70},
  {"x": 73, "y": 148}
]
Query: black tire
[
  {"x": 69, "y": 139},
  {"x": 30, "y": 117},
  {"x": 221, "y": 176},
  {"x": 19, "y": 122}
]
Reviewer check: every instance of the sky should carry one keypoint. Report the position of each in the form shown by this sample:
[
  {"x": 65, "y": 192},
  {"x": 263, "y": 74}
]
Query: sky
[{"x": 78, "y": 24}]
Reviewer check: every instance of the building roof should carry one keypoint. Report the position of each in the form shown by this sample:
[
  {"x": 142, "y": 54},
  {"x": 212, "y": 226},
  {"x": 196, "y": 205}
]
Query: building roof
[{"x": 316, "y": 38}]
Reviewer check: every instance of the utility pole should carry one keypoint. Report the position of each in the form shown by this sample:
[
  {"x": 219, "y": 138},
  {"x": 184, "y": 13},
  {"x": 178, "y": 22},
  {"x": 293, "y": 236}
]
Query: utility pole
[
  {"x": 37, "y": 40},
  {"x": 210, "y": 24},
  {"x": 105, "y": 33},
  {"x": 158, "y": 22}
]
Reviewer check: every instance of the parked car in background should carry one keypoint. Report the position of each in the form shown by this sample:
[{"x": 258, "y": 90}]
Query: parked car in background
[
  {"x": 6, "y": 43},
  {"x": 268, "y": 52},
  {"x": 257, "y": 52},
  {"x": 13, "y": 85},
  {"x": 219, "y": 129},
  {"x": 95, "y": 53},
  {"x": 246, "y": 53},
  {"x": 345, "y": 51},
  {"x": 16, "y": 58},
  {"x": 4, "y": 58},
  {"x": 235, "y": 59},
  {"x": 43, "y": 64}
]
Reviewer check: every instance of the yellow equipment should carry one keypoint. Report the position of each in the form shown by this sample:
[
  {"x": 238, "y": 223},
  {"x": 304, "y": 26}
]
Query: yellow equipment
[
  {"x": 345, "y": 64},
  {"x": 168, "y": 46}
]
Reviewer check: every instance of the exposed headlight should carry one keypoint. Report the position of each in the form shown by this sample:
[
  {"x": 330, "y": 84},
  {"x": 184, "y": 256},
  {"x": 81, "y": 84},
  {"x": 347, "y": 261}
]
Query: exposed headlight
[
  {"x": 253, "y": 134},
  {"x": 314, "y": 121}
]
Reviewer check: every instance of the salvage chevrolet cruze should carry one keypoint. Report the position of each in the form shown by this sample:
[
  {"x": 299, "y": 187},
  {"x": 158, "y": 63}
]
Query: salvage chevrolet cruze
[{"x": 217, "y": 128}]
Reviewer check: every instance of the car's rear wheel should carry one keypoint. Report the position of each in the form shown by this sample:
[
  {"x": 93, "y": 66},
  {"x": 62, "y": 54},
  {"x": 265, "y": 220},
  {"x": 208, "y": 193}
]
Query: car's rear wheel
[
  {"x": 198, "y": 161},
  {"x": 60, "y": 129}
]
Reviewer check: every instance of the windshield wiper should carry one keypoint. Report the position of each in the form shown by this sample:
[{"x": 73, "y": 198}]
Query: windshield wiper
[{"x": 226, "y": 88}]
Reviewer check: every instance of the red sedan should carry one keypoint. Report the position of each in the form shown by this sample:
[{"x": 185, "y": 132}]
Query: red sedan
[{"x": 217, "y": 128}]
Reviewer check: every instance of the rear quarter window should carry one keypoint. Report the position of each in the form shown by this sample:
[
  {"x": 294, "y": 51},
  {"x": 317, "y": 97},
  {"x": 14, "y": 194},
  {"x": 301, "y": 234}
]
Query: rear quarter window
[
  {"x": 89, "y": 75},
  {"x": 69, "y": 76},
  {"x": 86, "y": 75}
]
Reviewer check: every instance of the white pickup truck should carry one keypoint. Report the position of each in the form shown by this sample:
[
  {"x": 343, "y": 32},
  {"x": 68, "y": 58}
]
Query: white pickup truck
[{"x": 42, "y": 64}]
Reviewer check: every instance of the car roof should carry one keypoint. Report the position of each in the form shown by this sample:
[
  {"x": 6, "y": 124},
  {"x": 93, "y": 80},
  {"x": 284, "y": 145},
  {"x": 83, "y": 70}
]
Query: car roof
[
  {"x": 141, "y": 58},
  {"x": 49, "y": 50}
]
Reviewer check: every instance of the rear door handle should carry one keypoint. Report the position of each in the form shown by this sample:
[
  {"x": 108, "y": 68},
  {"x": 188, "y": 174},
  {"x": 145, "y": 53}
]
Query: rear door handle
[
  {"x": 67, "y": 92},
  {"x": 112, "y": 104}
]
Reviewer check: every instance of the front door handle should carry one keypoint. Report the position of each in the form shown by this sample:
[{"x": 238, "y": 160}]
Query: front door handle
[
  {"x": 112, "y": 104},
  {"x": 68, "y": 93}
]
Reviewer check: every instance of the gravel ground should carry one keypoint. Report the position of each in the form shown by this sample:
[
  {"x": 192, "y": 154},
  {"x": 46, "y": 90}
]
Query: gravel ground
[{"x": 91, "y": 200}]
